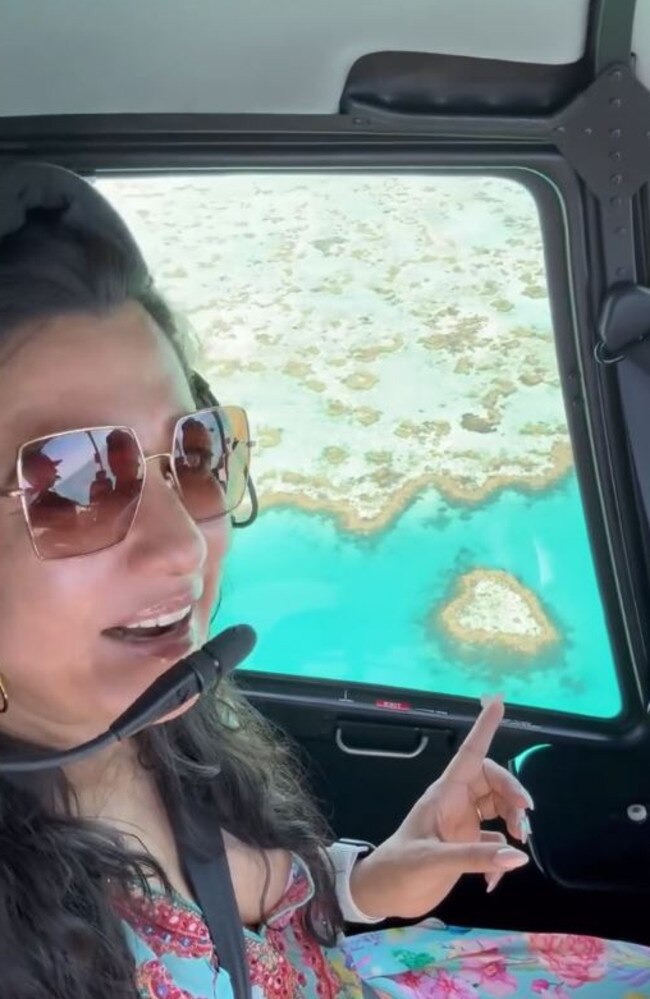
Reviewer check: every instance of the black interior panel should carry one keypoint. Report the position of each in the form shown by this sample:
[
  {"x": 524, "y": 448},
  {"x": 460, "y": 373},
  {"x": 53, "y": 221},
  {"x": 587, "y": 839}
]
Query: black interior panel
[
  {"x": 592, "y": 822},
  {"x": 366, "y": 797}
]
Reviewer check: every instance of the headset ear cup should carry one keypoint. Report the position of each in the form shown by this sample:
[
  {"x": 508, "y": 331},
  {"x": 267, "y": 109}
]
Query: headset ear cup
[
  {"x": 203, "y": 394},
  {"x": 252, "y": 517},
  {"x": 25, "y": 186}
]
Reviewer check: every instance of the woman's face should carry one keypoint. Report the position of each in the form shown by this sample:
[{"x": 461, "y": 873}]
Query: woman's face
[{"x": 66, "y": 679}]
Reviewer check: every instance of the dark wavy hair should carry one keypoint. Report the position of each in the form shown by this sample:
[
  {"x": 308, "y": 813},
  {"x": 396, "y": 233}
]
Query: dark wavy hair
[{"x": 60, "y": 935}]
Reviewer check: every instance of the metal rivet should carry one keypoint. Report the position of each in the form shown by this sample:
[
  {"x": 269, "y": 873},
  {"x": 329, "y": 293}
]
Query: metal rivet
[
  {"x": 589, "y": 131},
  {"x": 616, "y": 102},
  {"x": 616, "y": 178},
  {"x": 616, "y": 74},
  {"x": 560, "y": 128},
  {"x": 616, "y": 133},
  {"x": 637, "y": 813},
  {"x": 616, "y": 155}
]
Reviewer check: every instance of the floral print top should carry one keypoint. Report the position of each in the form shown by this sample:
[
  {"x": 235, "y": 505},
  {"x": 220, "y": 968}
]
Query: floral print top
[{"x": 175, "y": 958}]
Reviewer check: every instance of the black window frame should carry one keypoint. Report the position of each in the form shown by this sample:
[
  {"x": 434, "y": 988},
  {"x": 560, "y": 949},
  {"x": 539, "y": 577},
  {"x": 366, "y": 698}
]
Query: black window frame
[{"x": 120, "y": 145}]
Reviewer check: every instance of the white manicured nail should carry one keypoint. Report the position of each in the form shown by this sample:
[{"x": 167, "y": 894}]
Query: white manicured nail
[
  {"x": 510, "y": 859},
  {"x": 493, "y": 882},
  {"x": 524, "y": 826}
]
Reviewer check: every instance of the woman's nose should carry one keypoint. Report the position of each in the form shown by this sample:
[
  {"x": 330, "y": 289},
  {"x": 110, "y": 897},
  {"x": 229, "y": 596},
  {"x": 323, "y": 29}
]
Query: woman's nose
[{"x": 164, "y": 534}]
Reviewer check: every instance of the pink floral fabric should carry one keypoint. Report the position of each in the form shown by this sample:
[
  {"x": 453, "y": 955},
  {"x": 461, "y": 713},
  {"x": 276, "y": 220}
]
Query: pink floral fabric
[
  {"x": 174, "y": 958},
  {"x": 430, "y": 962}
]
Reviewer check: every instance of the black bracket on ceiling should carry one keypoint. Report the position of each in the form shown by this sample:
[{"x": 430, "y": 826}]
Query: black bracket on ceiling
[{"x": 604, "y": 134}]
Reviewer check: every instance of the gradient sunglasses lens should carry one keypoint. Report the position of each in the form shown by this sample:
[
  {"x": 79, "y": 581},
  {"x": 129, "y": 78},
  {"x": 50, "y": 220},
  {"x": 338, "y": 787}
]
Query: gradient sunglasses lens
[
  {"x": 212, "y": 460},
  {"x": 81, "y": 489}
]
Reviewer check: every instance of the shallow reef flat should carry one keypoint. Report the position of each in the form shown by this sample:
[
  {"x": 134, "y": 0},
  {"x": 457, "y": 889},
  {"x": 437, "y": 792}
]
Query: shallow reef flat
[
  {"x": 387, "y": 334},
  {"x": 492, "y": 611}
]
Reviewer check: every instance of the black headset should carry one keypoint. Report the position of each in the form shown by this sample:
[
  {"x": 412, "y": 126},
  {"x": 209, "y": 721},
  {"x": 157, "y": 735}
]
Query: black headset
[{"x": 25, "y": 186}]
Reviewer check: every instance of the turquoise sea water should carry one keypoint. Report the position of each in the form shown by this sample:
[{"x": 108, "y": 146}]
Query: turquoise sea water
[{"x": 330, "y": 604}]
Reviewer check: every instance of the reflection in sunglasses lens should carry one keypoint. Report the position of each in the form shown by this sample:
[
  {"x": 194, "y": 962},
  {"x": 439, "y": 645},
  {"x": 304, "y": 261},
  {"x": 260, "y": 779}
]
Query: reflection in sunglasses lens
[
  {"x": 82, "y": 488},
  {"x": 211, "y": 457}
]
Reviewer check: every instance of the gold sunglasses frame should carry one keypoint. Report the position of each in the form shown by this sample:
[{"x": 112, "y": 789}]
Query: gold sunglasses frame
[{"x": 21, "y": 492}]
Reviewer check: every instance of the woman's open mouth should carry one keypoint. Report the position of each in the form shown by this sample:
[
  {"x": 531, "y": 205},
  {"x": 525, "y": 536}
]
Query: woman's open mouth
[{"x": 174, "y": 625}]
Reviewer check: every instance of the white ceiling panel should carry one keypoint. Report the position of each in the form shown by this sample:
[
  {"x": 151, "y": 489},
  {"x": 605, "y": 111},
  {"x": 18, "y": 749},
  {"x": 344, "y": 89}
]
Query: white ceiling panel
[{"x": 284, "y": 56}]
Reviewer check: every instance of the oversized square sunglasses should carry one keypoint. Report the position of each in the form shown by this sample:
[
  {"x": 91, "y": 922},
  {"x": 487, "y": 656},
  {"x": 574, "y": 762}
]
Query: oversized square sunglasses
[{"x": 81, "y": 489}]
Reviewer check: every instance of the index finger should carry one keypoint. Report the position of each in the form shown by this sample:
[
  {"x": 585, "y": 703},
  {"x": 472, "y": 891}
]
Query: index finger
[{"x": 471, "y": 754}]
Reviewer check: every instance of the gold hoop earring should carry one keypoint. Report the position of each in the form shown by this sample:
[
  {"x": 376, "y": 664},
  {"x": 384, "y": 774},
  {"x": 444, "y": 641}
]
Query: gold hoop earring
[{"x": 4, "y": 697}]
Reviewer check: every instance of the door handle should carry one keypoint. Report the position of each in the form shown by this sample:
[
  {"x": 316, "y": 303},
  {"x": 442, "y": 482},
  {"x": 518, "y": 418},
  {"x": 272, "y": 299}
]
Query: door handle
[{"x": 384, "y": 753}]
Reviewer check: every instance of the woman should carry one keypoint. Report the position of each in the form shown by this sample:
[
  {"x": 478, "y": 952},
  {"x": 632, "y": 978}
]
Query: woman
[{"x": 108, "y": 577}]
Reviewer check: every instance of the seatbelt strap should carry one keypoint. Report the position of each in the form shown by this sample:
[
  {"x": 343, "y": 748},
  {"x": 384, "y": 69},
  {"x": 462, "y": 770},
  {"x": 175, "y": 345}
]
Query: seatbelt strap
[{"x": 212, "y": 886}]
